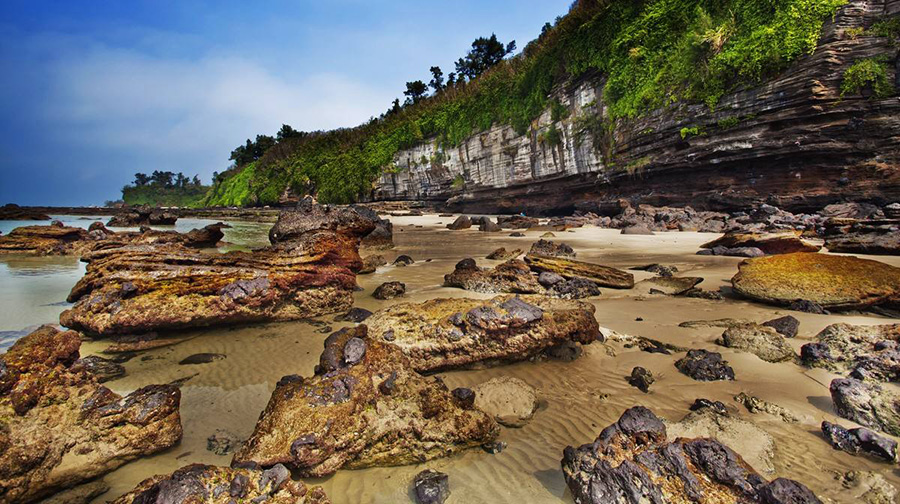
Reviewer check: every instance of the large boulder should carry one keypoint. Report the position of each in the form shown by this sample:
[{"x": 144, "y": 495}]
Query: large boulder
[
  {"x": 632, "y": 461},
  {"x": 866, "y": 351},
  {"x": 457, "y": 332},
  {"x": 365, "y": 406},
  {"x": 863, "y": 237},
  {"x": 833, "y": 282},
  {"x": 512, "y": 276},
  {"x": 224, "y": 485},
  {"x": 461, "y": 222},
  {"x": 604, "y": 276},
  {"x": 308, "y": 271},
  {"x": 59, "y": 427},
  {"x": 867, "y": 404},
  {"x": 769, "y": 243},
  {"x": 762, "y": 341}
]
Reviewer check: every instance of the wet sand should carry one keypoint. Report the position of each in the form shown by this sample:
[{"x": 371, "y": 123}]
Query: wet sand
[{"x": 578, "y": 399}]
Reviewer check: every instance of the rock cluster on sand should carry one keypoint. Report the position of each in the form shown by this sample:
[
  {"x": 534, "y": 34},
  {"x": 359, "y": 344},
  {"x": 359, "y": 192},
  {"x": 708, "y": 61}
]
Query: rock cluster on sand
[
  {"x": 863, "y": 236},
  {"x": 223, "y": 485},
  {"x": 869, "y": 352},
  {"x": 452, "y": 333},
  {"x": 309, "y": 270},
  {"x": 832, "y": 282},
  {"x": 59, "y": 427},
  {"x": 365, "y": 406},
  {"x": 142, "y": 216},
  {"x": 633, "y": 462},
  {"x": 57, "y": 239}
]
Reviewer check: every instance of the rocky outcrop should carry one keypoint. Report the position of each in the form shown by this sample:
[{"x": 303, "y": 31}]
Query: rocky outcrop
[
  {"x": 59, "y": 427},
  {"x": 365, "y": 406},
  {"x": 143, "y": 216},
  {"x": 771, "y": 243},
  {"x": 791, "y": 140},
  {"x": 57, "y": 239},
  {"x": 223, "y": 485},
  {"x": 867, "y": 404},
  {"x": 632, "y": 462},
  {"x": 863, "y": 236},
  {"x": 458, "y": 332},
  {"x": 11, "y": 211},
  {"x": 832, "y": 282},
  {"x": 604, "y": 276},
  {"x": 309, "y": 270},
  {"x": 867, "y": 352}
]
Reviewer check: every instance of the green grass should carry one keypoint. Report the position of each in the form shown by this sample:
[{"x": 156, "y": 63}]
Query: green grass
[
  {"x": 868, "y": 73},
  {"x": 654, "y": 53}
]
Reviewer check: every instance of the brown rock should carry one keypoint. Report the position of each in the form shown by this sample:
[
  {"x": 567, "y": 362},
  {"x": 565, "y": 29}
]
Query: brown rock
[
  {"x": 59, "y": 427},
  {"x": 603, "y": 276},
  {"x": 502, "y": 254},
  {"x": 770, "y": 243},
  {"x": 513, "y": 276},
  {"x": 362, "y": 410}
]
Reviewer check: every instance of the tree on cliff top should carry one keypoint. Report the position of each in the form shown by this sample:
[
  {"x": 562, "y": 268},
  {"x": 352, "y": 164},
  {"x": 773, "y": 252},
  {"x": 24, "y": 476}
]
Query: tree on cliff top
[
  {"x": 415, "y": 91},
  {"x": 485, "y": 53}
]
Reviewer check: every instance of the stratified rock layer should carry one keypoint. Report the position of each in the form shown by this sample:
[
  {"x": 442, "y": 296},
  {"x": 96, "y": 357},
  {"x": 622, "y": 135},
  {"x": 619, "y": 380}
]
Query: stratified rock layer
[
  {"x": 221, "y": 485},
  {"x": 308, "y": 271},
  {"x": 451, "y": 333},
  {"x": 863, "y": 237},
  {"x": 833, "y": 282},
  {"x": 771, "y": 243},
  {"x": 604, "y": 276},
  {"x": 59, "y": 427},
  {"x": 365, "y": 406},
  {"x": 632, "y": 462}
]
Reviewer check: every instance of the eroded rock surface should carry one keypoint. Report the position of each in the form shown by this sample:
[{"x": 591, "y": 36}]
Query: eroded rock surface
[
  {"x": 832, "y": 282},
  {"x": 867, "y": 404},
  {"x": 633, "y": 462},
  {"x": 551, "y": 249},
  {"x": 59, "y": 427},
  {"x": 512, "y": 276},
  {"x": 457, "y": 332},
  {"x": 223, "y": 485},
  {"x": 604, "y": 276},
  {"x": 57, "y": 239},
  {"x": 141, "y": 216},
  {"x": 863, "y": 236},
  {"x": 867, "y": 352},
  {"x": 703, "y": 365},
  {"x": 365, "y": 406},
  {"x": 762, "y": 341},
  {"x": 769, "y": 243},
  {"x": 309, "y": 270}
]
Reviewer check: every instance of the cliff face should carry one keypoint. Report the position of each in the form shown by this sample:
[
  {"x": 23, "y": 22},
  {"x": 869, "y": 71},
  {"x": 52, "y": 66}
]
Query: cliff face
[{"x": 792, "y": 141}]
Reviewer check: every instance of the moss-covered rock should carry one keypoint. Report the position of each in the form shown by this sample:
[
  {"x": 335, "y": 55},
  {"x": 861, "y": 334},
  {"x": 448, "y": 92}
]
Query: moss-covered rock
[{"x": 834, "y": 282}]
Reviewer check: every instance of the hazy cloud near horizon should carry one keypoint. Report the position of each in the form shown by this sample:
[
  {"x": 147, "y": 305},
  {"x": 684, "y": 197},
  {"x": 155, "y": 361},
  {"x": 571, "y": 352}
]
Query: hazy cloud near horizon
[{"x": 87, "y": 103}]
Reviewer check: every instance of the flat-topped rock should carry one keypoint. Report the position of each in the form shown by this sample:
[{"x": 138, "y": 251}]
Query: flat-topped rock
[
  {"x": 604, "y": 276},
  {"x": 365, "y": 406},
  {"x": 833, "y": 282},
  {"x": 223, "y": 485},
  {"x": 309, "y": 270},
  {"x": 863, "y": 236},
  {"x": 142, "y": 216},
  {"x": 769, "y": 243},
  {"x": 458, "y": 332},
  {"x": 633, "y": 461},
  {"x": 59, "y": 427},
  {"x": 760, "y": 340},
  {"x": 66, "y": 240}
]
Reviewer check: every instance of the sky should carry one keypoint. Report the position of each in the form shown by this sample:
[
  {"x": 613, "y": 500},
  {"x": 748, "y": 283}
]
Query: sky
[{"x": 93, "y": 91}]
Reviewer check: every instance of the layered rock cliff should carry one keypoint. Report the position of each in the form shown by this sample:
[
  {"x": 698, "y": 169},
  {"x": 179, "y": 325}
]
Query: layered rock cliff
[{"x": 793, "y": 141}]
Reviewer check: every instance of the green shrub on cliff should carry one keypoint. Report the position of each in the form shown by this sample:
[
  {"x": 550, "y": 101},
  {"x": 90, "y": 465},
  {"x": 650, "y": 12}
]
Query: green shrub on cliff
[
  {"x": 653, "y": 53},
  {"x": 868, "y": 73}
]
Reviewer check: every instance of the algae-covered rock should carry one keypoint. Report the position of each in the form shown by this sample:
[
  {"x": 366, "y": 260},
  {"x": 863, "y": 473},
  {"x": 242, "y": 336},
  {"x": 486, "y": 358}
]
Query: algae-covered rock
[
  {"x": 762, "y": 341},
  {"x": 834, "y": 282},
  {"x": 867, "y": 351},
  {"x": 59, "y": 427},
  {"x": 223, "y": 485},
  {"x": 365, "y": 406},
  {"x": 604, "y": 276},
  {"x": 458, "y": 332},
  {"x": 632, "y": 461}
]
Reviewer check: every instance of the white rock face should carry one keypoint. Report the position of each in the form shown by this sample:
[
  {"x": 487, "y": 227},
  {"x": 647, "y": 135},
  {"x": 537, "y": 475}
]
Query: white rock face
[{"x": 498, "y": 157}]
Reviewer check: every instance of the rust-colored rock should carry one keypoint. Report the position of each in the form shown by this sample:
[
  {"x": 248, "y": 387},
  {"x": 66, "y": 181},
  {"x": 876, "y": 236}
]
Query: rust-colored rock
[
  {"x": 308, "y": 271},
  {"x": 222, "y": 485},
  {"x": 451, "y": 333},
  {"x": 365, "y": 406},
  {"x": 604, "y": 276},
  {"x": 770, "y": 243},
  {"x": 66, "y": 240},
  {"x": 833, "y": 282},
  {"x": 59, "y": 427}
]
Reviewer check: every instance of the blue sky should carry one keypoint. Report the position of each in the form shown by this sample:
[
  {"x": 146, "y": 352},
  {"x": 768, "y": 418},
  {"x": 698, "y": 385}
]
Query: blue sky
[{"x": 93, "y": 91}]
